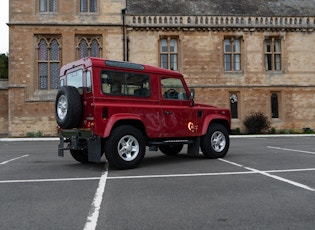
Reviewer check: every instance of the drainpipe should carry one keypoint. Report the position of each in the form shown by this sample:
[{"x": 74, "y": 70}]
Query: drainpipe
[{"x": 123, "y": 13}]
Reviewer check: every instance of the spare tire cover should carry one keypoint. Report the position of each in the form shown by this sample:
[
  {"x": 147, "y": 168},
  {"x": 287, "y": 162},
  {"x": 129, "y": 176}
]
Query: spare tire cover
[{"x": 68, "y": 107}]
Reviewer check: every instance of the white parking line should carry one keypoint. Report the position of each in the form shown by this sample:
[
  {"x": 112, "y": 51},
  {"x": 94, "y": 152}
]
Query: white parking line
[
  {"x": 91, "y": 221},
  {"x": 161, "y": 175},
  {"x": 49, "y": 180},
  {"x": 265, "y": 173},
  {"x": 179, "y": 175},
  {"x": 5, "y": 162},
  {"x": 282, "y": 179},
  {"x": 292, "y": 150}
]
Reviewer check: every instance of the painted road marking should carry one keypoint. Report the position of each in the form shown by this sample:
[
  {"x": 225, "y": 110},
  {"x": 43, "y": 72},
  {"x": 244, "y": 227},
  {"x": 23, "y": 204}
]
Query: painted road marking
[
  {"x": 162, "y": 175},
  {"x": 265, "y": 173},
  {"x": 282, "y": 179},
  {"x": 91, "y": 221},
  {"x": 5, "y": 162},
  {"x": 292, "y": 150},
  {"x": 49, "y": 180}
]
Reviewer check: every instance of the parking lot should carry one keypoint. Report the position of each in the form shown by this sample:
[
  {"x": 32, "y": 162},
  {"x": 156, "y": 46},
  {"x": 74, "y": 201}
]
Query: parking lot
[{"x": 262, "y": 183}]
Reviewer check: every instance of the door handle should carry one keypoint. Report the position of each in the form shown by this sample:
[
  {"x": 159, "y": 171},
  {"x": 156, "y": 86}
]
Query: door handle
[{"x": 168, "y": 112}]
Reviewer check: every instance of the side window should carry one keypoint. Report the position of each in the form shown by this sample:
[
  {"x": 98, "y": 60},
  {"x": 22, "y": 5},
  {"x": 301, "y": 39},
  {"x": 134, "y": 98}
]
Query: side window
[
  {"x": 125, "y": 84},
  {"x": 173, "y": 88},
  {"x": 76, "y": 79},
  {"x": 88, "y": 82}
]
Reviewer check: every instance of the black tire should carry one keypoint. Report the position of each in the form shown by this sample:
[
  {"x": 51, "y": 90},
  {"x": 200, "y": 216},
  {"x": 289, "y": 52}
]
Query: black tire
[
  {"x": 125, "y": 147},
  {"x": 171, "y": 150},
  {"x": 68, "y": 107},
  {"x": 80, "y": 155},
  {"x": 216, "y": 142}
]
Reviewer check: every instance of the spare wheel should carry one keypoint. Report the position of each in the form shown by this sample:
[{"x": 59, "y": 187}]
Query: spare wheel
[{"x": 68, "y": 107}]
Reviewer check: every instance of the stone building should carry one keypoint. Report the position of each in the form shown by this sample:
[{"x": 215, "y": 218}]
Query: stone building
[{"x": 248, "y": 55}]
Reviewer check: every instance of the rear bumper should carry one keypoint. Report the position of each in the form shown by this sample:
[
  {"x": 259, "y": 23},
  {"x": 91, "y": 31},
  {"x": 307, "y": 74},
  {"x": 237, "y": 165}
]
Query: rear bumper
[
  {"x": 80, "y": 139},
  {"x": 81, "y": 133},
  {"x": 71, "y": 136}
]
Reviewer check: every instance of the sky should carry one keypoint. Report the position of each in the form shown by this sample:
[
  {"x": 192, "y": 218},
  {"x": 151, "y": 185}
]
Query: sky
[{"x": 4, "y": 29}]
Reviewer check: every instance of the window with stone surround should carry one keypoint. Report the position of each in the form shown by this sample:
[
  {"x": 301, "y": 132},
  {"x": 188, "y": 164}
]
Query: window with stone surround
[
  {"x": 48, "y": 62},
  {"x": 88, "y": 46},
  {"x": 47, "y": 5},
  {"x": 273, "y": 54},
  {"x": 169, "y": 53},
  {"x": 234, "y": 104},
  {"x": 88, "y": 6},
  {"x": 232, "y": 54},
  {"x": 275, "y": 96}
]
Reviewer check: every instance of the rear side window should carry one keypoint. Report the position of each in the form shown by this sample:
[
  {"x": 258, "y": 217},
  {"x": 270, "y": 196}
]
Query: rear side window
[
  {"x": 125, "y": 83},
  {"x": 88, "y": 82}
]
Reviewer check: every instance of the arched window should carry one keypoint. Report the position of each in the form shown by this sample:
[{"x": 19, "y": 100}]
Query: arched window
[
  {"x": 83, "y": 49},
  {"x": 88, "y": 47},
  {"x": 95, "y": 48},
  {"x": 48, "y": 63}
]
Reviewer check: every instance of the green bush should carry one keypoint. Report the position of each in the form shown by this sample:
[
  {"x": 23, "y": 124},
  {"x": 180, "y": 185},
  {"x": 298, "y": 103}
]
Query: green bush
[
  {"x": 283, "y": 131},
  {"x": 273, "y": 130},
  {"x": 34, "y": 134},
  {"x": 238, "y": 131},
  {"x": 308, "y": 131},
  {"x": 256, "y": 122}
]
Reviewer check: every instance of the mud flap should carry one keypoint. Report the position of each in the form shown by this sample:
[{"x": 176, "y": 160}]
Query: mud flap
[
  {"x": 94, "y": 149},
  {"x": 193, "y": 149},
  {"x": 61, "y": 147}
]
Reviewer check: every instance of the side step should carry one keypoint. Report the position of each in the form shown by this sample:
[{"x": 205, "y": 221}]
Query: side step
[{"x": 193, "y": 145}]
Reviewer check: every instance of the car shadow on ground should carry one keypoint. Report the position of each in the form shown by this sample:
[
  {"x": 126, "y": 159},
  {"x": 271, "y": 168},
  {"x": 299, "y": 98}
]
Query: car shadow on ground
[{"x": 158, "y": 160}]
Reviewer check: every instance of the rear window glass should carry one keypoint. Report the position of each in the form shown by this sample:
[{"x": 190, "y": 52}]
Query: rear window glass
[
  {"x": 76, "y": 79},
  {"x": 125, "y": 83}
]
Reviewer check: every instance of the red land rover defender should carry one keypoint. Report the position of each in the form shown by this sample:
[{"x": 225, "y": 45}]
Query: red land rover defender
[{"x": 119, "y": 108}]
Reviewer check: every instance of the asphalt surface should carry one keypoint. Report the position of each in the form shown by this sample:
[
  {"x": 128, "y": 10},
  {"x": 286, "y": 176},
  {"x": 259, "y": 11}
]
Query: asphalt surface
[{"x": 262, "y": 183}]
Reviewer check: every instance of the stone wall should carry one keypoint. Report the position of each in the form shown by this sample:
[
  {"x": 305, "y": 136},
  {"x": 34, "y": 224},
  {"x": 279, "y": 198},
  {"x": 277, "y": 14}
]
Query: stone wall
[
  {"x": 3, "y": 107},
  {"x": 200, "y": 51},
  {"x": 201, "y": 62},
  {"x": 31, "y": 109}
]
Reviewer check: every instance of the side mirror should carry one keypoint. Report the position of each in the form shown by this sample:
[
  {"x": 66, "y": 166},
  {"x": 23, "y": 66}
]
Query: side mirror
[
  {"x": 192, "y": 94},
  {"x": 192, "y": 97}
]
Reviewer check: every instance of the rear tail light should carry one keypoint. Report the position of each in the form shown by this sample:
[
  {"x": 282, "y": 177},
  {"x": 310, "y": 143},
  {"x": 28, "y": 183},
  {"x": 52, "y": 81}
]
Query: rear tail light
[{"x": 90, "y": 124}]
